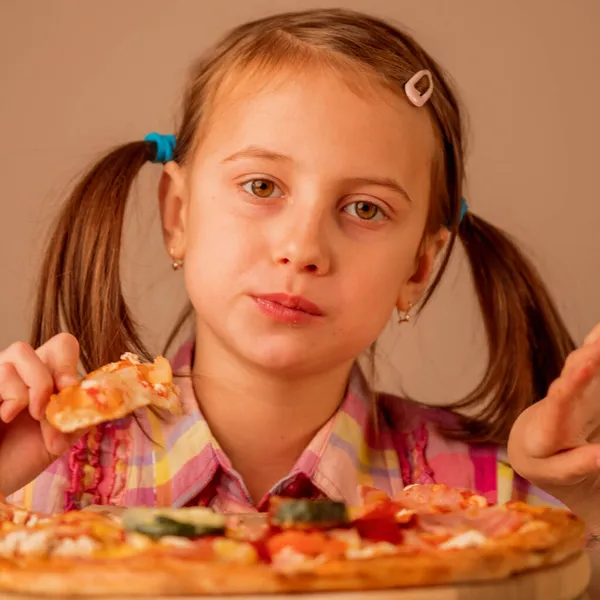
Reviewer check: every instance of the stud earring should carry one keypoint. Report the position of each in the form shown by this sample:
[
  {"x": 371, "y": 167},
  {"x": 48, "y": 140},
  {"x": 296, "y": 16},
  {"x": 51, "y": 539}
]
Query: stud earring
[
  {"x": 405, "y": 318},
  {"x": 177, "y": 264}
]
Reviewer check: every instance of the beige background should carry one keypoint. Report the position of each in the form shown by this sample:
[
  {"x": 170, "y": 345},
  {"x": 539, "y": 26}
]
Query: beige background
[{"x": 78, "y": 76}]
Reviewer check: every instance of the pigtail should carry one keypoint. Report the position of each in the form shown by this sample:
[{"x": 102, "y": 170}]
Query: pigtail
[
  {"x": 80, "y": 286},
  {"x": 527, "y": 339}
]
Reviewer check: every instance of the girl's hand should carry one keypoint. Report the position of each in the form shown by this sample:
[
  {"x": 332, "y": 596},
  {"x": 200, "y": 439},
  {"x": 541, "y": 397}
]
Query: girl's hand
[
  {"x": 555, "y": 443},
  {"x": 28, "y": 444}
]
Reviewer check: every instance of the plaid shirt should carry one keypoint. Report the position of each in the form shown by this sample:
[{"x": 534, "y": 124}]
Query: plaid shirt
[{"x": 175, "y": 461}]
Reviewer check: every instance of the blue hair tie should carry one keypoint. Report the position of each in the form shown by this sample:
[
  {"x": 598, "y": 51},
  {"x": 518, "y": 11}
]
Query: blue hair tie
[
  {"x": 165, "y": 146},
  {"x": 464, "y": 209}
]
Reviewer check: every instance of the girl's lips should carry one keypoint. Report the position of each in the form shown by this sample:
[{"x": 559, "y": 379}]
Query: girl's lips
[{"x": 288, "y": 309}]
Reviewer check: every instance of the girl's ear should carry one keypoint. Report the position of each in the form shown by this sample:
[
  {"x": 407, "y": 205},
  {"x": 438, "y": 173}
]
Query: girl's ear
[
  {"x": 173, "y": 200},
  {"x": 425, "y": 262}
]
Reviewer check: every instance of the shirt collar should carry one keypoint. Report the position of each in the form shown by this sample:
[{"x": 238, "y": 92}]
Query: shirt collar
[{"x": 349, "y": 450}]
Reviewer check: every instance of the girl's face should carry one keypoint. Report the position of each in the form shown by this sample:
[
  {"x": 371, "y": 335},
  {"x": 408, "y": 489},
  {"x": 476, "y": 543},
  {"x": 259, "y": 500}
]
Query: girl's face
[{"x": 300, "y": 217}]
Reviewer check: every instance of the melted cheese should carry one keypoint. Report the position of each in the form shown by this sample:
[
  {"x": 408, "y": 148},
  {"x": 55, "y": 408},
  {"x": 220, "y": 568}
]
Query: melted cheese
[
  {"x": 88, "y": 384},
  {"x": 137, "y": 541},
  {"x": 20, "y": 516},
  {"x": 533, "y": 526},
  {"x": 287, "y": 560},
  {"x": 26, "y": 543},
  {"x": 404, "y": 515},
  {"x": 176, "y": 542},
  {"x": 371, "y": 550},
  {"x": 81, "y": 546},
  {"x": 350, "y": 537},
  {"x": 131, "y": 357},
  {"x": 468, "y": 539},
  {"x": 235, "y": 552}
]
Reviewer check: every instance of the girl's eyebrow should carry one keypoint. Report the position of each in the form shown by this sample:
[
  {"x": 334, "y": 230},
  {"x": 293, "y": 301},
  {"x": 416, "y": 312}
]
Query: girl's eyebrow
[
  {"x": 386, "y": 182},
  {"x": 257, "y": 152}
]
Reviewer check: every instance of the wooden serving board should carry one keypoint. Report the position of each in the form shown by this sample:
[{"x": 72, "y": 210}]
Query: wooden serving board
[{"x": 565, "y": 581}]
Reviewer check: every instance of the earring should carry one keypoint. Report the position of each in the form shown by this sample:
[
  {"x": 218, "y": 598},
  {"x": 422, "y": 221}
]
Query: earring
[
  {"x": 405, "y": 318},
  {"x": 177, "y": 264}
]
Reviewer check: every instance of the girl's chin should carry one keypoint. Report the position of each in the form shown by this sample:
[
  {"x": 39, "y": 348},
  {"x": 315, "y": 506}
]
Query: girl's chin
[{"x": 290, "y": 358}]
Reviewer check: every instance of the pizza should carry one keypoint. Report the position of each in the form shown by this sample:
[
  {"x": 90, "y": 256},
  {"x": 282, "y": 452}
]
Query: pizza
[
  {"x": 426, "y": 535},
  {"x": 112, "y": 392}
]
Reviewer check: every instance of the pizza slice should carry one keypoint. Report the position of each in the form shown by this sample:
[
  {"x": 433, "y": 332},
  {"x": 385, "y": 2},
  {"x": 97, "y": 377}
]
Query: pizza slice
[{"x": 114, "y": 391}]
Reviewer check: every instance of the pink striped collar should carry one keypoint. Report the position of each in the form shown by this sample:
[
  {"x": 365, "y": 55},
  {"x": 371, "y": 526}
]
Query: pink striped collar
[{"x": 345, "y": 453}]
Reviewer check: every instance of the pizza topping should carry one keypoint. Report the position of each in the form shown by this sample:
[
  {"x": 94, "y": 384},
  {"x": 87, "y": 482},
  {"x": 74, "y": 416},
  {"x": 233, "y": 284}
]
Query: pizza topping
[
  {"x": 81, "y": 546},
  {"x": 289, "y": 513},
  {"x": 468, "y": 539},
  {"x": 533, "y": 526},
  {"x": 378, "y": 523},
  {"x": 496, "y": 521},
  {"x": 160, "y": 372},
  {"x": 308, "y": 543},
  {"x": 175, "y": 541},
  {"x": 161, "y": 526},
  {"x": 371, "y": 495},
  {"x": 350, "y": 537},
  {"x": 183, "y": 522},
  {"x": 137, "y": 540},
  {"x": 437, "y": 497},
  {"x": 491, "y": 521},
  {"x": 288, "y": 560},
  {"x": 88, "y": 384},
  {"x": 404, "y": 516},
  {"x": 235, "y": 552},
  {"x": 25, "y": 543},
  {"x": 248, "y": 527},
  {"x": 371, "y": 551},
  {"x": 131, "y": 358},
  {"x": 304, "y": 542}
]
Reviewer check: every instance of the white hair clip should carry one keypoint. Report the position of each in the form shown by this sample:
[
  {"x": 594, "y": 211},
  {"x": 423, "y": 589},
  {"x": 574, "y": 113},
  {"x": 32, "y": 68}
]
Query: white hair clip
[{"x": 410, "y": 87}]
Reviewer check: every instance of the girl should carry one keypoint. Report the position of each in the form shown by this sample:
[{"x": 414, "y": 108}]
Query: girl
[{"x": 316, "y": 177}]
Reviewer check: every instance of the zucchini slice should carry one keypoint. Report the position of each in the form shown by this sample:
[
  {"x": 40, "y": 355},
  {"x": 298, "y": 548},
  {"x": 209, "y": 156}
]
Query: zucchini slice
[
  {"x": 181, "y": 522},
  {"x": 320, "y": 514}
]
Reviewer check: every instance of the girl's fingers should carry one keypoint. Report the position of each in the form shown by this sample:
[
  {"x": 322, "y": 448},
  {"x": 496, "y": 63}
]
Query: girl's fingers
[
  {"x": 58, "y": 443},
  {"x": 562, "y": 469},
  {"x": 14, "y": 394},
  {"x": 593, "y": 336},
  {"x": 589, "y": 353},
  {"x": 38, "y": 372},
  {"x": 61, "y": 356},
  {"x": 32, "y": 372},
  {"x": 564, "y": 418}
]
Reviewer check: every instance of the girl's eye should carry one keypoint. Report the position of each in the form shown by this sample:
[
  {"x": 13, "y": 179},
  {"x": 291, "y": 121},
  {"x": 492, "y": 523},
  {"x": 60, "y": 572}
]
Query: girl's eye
[
  {"x": 366, "y": 211},
  {"x": 262, "y": 188}
]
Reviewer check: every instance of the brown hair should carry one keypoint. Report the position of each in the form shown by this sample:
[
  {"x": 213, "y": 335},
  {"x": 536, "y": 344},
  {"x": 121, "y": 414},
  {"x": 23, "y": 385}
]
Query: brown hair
[{"x": 80, "y": 289}]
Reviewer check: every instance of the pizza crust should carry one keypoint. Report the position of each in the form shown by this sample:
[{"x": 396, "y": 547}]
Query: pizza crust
[{"x": 150, "y": 575}]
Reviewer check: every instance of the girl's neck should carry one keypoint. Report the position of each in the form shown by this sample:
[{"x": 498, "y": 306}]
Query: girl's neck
[{"x": 262, "y": 420}]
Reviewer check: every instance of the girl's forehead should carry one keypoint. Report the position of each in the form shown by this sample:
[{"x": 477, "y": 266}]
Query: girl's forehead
[{"x": 319, "y": 111}]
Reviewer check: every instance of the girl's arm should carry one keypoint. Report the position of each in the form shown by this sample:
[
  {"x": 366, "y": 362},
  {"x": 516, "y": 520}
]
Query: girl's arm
[{"x": 47, "y": 493}]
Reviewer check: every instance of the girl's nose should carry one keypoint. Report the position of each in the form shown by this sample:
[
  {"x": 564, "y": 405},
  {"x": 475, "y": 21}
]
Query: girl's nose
[{"x": 303, "y": 243}]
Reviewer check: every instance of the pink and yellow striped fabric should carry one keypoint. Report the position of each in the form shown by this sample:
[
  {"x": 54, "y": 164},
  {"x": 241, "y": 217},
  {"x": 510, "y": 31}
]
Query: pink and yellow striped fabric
[{"x": 175, "y": 461}]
